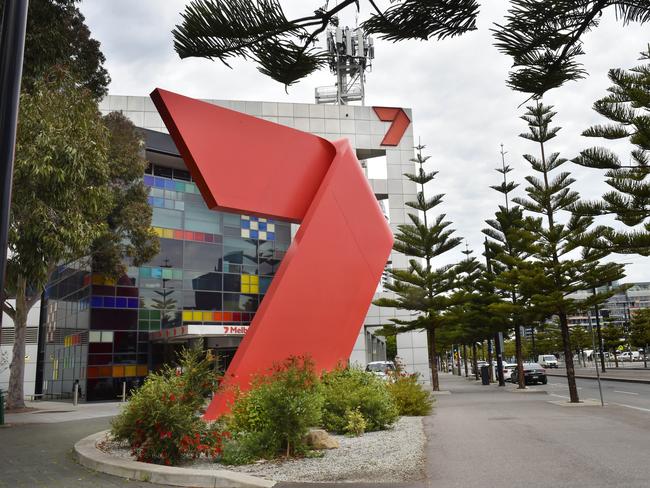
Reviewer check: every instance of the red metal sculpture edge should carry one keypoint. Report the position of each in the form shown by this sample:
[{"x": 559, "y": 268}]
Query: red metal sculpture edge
[{"x": 319, "y": 297}]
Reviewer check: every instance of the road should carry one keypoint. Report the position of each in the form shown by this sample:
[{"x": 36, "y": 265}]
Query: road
[{"x": 628, "y": 395}]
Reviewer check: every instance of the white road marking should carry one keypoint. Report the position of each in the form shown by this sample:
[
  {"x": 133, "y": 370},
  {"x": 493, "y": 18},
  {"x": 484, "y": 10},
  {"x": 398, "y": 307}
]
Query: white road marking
[
  {"x": 626, "y": 392},
  {"x": 630, "y": 406}
]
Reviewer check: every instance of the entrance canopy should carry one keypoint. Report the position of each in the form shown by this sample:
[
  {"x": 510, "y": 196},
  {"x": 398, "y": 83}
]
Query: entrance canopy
[{"x": 193, "y": 331}]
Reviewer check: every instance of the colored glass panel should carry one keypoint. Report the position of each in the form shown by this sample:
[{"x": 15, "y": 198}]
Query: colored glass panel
[
  {"x": 118, "y": 371},
  {"x": 130, "y": 370}
]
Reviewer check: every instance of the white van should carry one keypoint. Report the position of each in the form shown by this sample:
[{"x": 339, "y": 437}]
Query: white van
[{"x": 547, "y": 360}]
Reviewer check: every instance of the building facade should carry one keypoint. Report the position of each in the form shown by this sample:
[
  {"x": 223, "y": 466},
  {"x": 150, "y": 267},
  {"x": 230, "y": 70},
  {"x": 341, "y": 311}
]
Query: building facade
[{"x": 213, "y": 268}]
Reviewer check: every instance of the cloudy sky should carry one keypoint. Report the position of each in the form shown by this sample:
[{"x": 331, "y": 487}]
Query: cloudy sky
[{"x": 462, "y": 108}]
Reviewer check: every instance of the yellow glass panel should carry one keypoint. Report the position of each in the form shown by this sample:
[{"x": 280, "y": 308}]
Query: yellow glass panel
[
  {"x": 98, "y": 279},
  {"x": 197, "y": 316},
  {"x": 255, "y": 280},
  {"x": 207, "y": 316},
  {"x": 245, "y": 288},
  {"x": 270, "y": 227},
  {"x": 129, "y": 370},
  {"x": 118, "y": 371},
  {"x": 255, "y": 289},
  {"x": 245, "y": 278},
  {"x": 158, "y": 231},
  {"x": 187, "y": 315},
  {"x": 142, "y": 370},
  {"x": 168, "y": 233}
]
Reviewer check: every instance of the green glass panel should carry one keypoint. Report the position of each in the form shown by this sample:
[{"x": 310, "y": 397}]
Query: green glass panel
[
  {"x": 145, "y": 273},
  {"x": 143, "y": 324},
  {"x": 144, "y": 314},
  {"x": 154, "y": 314},
  {"x": 180, "y": 186},
  {"x": 177, "y": 274},
  {"x": 167, "y": 274}
]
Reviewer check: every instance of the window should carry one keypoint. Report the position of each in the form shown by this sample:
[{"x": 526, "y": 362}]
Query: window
[
  {"x": 202, "y": 300},
  {"x": 170, "y": 255},
  {"x": 202, "y": 257},
  {"x": 167, "y": 218}
]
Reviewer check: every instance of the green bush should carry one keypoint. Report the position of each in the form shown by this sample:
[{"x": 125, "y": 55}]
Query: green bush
[
  {"x": 352, "y": 389},
  {"x": 162, "y": 423},
  {"x": 356, "y": 424},
  {"x": 409, "y": 396},
  {"x": 277, "y": 412},
  {"x": 244, "y": 448}
]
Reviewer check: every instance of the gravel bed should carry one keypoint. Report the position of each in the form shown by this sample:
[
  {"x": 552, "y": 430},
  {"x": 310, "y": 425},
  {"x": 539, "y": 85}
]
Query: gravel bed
[{"x": 394, "y": 455}]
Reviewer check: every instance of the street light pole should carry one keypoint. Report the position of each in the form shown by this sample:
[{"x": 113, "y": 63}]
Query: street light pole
[
  {"x": 599, "y": 334},
  {"x": 593, "y": 342},
  {"x": 12, "y": 47}
]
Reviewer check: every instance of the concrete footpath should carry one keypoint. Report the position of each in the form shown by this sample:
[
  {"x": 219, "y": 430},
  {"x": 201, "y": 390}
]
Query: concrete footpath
[{"x": 47, "y": 412}]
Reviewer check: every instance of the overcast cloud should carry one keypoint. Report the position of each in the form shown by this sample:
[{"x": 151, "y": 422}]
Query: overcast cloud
[{"x": 462, "y": 108}]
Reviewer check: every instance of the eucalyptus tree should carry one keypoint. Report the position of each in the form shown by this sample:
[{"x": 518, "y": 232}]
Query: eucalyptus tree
[
  {"x": 627, "y": 107},
  {"x": 77, "y": 192},
  {"x": 421, "y": 287},
  {"x": 558, "y": 241},
  {"x": 544, "y": 38}
]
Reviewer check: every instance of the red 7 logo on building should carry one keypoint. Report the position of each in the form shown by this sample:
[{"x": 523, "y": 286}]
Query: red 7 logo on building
[
  {"x": 400, "y": 122},
  {"x": 318, "y": 299}
]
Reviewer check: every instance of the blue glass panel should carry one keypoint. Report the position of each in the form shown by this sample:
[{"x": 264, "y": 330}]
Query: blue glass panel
[
  {"x": 245, "y": 224},
  {"x": 254, "y": 219},
  {"x": 132, "y": 303},
  {"x": 156, "y": 273},
  {"x": 148, "y": 180},
  {"x": 120, "y": 302},
  {"x": 254, "y": 234},
  {"x": 109, "y": 302},
  {"x": 170, "y": 185},
  {"x": 159, "y": 183},
  {"x": 270, "y": 236},
  {"x": 96, "y": 302},
  {"x": 158, "y": 202},
  {"x": 150, "y": 200},
  {"x": 262, "y": 226}
]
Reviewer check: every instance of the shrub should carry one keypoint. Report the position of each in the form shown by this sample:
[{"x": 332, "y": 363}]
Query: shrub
[
  {"x": 244, "y": 448},
  {"x": 409, "y": 396},
  {"x": 277, "y": 412},
  {"x": 161, "y": 421},
  {"x": 356, "y": 424},
  {"x": 352, "y": 389}
]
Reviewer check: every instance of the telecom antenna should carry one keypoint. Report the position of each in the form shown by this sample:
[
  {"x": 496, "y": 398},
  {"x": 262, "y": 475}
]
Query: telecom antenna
[{"x": 350, "y": 53}]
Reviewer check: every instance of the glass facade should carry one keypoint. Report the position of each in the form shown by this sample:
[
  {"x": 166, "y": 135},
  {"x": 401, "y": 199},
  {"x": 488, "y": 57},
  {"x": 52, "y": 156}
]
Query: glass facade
[{"x": 213, "y": 268}]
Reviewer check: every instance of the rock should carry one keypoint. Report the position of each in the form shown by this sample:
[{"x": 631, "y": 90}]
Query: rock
[{"x": 319, "y": 439}]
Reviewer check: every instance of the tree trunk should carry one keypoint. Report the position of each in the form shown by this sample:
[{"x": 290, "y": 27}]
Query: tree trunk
[
  {"x": 15, "y": 393},
  {"x": 431, "y": 345},
  {"x": 489, "y": 361},
  {"x": 521, "y": 379},
  {"x": 465, "y": 360},
  {"x": 568, "y": 358},
  {"x": 475, "y": 360}
]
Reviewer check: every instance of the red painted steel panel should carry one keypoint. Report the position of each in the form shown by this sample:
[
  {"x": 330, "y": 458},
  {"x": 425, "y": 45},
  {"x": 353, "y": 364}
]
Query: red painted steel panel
[{"x": 319, "y": 297}]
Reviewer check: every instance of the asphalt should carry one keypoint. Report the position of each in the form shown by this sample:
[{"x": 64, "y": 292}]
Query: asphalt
[
  {"x": 479, "y": 436},
  {"x": 627, "y": 375}
]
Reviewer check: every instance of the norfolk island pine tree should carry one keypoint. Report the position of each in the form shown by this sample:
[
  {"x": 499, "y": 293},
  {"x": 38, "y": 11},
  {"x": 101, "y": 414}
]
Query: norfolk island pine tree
[{"x": 421, "y": 288}]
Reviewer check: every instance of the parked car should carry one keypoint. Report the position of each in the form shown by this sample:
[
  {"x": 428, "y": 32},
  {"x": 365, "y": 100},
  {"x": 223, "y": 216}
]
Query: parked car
[
  {"x": 381, "y": 368},
  {"x": 533, "y": 373},
  {"x": 547, "y": 360},
  {"x": 629, "y": 356},
  {"x": 507, "y": 370}
]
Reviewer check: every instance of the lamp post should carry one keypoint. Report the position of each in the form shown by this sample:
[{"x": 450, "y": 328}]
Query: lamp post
[{"x": 12, "y": 47}]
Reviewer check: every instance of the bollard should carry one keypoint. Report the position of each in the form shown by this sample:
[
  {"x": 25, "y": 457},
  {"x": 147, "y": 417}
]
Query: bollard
[
  {"x": 123, "y": 391},
  {"x": 75, "y": 394},
  {"x": 2, "y": 409}
]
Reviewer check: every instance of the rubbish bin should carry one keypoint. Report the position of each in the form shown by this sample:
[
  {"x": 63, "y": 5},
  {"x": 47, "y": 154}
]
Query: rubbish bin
[{"x": 485, "y": 375}]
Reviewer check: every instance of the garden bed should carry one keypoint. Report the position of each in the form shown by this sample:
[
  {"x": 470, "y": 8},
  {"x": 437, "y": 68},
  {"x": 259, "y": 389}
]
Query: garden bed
[{"x": 394, "y": 455}]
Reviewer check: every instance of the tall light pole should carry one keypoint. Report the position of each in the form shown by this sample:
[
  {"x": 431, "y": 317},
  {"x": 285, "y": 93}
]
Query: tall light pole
[{"x": 12, "y": 47}]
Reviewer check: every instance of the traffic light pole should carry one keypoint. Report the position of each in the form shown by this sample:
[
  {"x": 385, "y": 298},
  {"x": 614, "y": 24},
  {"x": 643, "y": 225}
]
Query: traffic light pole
[{"x": 12, "y": 47}]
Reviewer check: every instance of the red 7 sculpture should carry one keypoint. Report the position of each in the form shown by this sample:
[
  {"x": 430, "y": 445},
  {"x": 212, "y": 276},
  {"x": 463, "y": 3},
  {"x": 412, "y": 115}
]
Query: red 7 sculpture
[{"x": 319, "y": 296}]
